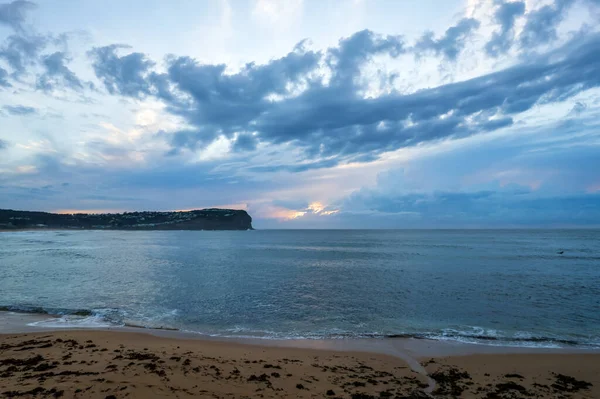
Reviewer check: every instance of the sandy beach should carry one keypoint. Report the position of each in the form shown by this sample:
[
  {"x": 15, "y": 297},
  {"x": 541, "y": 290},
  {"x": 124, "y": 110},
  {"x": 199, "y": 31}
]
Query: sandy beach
[{"x": 117, "y": 364}]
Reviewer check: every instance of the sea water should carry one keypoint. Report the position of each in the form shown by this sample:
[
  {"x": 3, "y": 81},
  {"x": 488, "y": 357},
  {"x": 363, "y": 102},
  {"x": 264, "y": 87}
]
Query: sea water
[{"x": 497, "y": 287}]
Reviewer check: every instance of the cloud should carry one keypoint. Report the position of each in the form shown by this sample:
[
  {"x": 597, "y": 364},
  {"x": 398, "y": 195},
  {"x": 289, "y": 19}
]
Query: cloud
[
  {"x": 513, "y": 206},
  {"x": 19, "y": 110},
  {"x": 245, "y": 142},
  {"x": 499, "y": 180},
  {"x": 296, "y": 211},
  {"x": 125, "y": 75},
  {"x": 541, "y": 24},
  {"x": 57, "y": 74},
  {"x": 451, "y": 43},
  {"x": 21, "y": 51},
  {"x": 296, "y": 167},
  {"x": 353, "y": 52},
  {"x": 13, "y": 14},
  {"x": 328, "y": 124},
  {"x": 308, "y": 125},
  {"x": 290, "y": 204},
  {"x": 3, "y": 75},
  {"x": 289, "y": 100},
  {"x": 436, "y": 176},
  {"x": 224, "y": 104},
  {"x": 3, "y": 144},
  {"x": 578, "y": 108},
  {"x": 505, "y": 16}
]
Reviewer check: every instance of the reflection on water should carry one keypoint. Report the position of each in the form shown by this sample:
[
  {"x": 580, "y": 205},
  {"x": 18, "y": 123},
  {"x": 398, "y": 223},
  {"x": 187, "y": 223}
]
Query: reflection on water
[{"x": 488, "y": 286}]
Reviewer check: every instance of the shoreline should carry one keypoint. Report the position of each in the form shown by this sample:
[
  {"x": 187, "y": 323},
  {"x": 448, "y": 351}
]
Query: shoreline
[
  {"x": 405, "y": 347},
  {"x": 133, "y": 362}
]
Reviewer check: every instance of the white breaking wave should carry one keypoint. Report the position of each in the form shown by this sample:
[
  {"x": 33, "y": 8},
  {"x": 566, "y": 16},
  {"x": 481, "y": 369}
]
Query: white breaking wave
[{"x": 73, "y": 321}]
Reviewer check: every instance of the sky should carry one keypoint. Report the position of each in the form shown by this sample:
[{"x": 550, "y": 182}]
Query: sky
[{"x": 305, "y": 113}]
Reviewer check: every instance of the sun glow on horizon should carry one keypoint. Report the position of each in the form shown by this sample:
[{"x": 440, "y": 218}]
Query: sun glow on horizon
[{"x": 316, "y": 208}]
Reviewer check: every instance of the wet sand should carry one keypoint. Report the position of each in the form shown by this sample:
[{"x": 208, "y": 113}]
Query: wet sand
[{"x": 119, "y": 364}]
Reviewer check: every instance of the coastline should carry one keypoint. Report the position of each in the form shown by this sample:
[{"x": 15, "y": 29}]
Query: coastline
[
  {"x": 139, "y": 362},
  {"x": 405, "y": 347}
]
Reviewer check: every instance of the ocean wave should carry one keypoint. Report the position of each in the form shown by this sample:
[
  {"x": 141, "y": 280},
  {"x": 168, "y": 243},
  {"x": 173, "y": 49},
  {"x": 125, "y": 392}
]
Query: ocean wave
[
  {"x": 73, "y": 322},
  {"x": 110, "y": 317},
  {"x": 492, "y": 337},
  {"x": 444, "y": 335}
]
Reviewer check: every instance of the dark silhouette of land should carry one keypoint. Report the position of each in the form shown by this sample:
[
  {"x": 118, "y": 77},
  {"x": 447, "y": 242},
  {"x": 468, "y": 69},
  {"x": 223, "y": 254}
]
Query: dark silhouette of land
[{"x": 203, "y": 219}]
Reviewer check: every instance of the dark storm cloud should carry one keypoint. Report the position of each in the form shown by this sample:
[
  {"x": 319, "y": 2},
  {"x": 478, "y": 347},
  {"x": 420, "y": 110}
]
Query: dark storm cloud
[
  {"x": 453, "y": 41},
  {"x": 541, "y": 24},
  {"x": 57, "y": 73},
  {"x": 505, "y": 16},
  {"x": 13, "y": 14},
  {"x": 19, "y": 110}
]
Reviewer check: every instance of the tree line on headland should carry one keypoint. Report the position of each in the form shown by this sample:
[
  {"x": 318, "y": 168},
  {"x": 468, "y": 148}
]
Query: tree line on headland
[{"x": 203, "y": 219}]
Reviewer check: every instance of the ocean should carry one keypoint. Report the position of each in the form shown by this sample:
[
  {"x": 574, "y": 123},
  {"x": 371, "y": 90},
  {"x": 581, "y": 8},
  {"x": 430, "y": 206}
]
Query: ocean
[{"x": 493, "y": 287}]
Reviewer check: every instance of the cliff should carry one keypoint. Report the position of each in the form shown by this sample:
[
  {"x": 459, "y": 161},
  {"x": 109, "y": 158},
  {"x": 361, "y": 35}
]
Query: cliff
[{"x": 204, "y": 219}]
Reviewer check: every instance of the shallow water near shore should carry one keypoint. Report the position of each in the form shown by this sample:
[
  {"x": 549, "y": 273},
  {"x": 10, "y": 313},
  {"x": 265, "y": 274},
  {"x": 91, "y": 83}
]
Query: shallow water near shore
[{"x": 494, "y": 287}]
